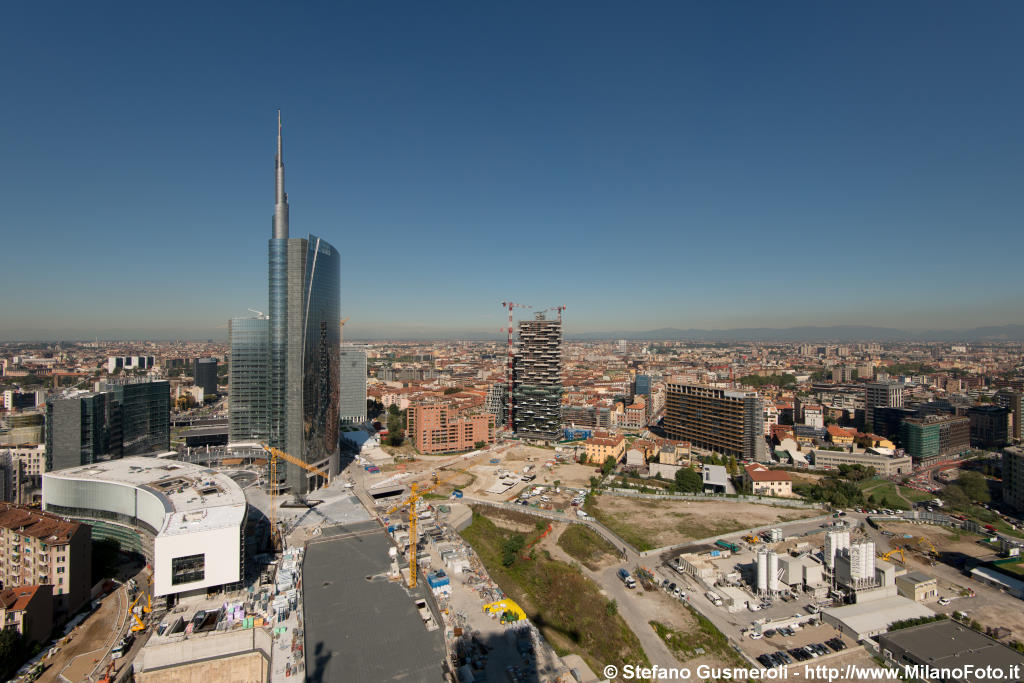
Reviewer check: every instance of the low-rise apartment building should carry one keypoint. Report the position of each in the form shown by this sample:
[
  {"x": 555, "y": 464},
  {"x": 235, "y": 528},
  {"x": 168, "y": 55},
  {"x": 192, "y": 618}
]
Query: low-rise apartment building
[
  {"x": 42, "y": 548},
  {"x": 28, "y": 610},
  {"x": 765, "y": 482},
  {"x": 603, "y": 445},
  {"x": 440, "y": 428}
]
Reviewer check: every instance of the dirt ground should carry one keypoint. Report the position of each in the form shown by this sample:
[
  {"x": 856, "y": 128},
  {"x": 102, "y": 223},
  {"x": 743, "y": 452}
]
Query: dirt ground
[
  {"x": 945, "y": 540},
  {"x": 88, "y": 642},
  {"x": 663, "y": 523},
  {"x": 674, "y": 615}
]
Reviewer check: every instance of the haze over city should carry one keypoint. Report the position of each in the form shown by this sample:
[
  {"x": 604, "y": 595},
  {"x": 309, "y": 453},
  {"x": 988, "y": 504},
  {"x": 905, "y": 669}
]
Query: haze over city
[{"x": 686, "y": 166}]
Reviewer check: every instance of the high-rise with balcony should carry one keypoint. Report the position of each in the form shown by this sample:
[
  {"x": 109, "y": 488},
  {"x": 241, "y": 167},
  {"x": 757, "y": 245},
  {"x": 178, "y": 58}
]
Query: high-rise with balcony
[
  {"x": 537, "y": 392},
  {"x": 302, "y": 399}
]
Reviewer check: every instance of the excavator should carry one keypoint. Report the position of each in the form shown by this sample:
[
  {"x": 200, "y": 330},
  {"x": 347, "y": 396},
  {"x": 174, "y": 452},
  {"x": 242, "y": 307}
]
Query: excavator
[{"x": 892, "y": 555}]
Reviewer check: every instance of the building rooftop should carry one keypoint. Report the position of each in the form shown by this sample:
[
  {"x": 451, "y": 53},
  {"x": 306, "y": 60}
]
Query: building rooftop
[
  {"x": 947, "y": 644},
  {"x": 345, "y": 583},
  {"x": 42, "y": 525},
  {"x": 16, "y": 599},
  {"x": 194, "y": 497},
  {"x": 761, "y": 473},
  {"x": 876, "y": 615}
]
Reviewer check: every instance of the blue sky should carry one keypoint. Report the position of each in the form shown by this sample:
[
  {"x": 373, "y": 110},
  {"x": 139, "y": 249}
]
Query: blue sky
[{"x": 715, "y": 164}]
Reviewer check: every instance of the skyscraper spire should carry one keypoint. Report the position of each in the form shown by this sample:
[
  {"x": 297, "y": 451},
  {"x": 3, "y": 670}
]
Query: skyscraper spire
[{"x": 280, "y": 196}]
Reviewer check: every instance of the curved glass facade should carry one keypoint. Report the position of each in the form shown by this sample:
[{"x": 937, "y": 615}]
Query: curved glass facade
[{"x": 321, "y": 372}]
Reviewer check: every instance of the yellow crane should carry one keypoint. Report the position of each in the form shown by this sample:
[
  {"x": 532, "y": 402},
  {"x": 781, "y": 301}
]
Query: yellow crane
[
  {"x": 925, "y": 543},
  {"x": 341, "y": 330},
  {"x": 275, "y": 455},
  {"x": 892, "y": 555},
  {"x": 415, "y": 493}
]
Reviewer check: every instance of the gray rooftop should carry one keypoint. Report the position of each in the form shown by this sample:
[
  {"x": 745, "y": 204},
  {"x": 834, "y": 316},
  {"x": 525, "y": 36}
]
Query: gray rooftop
[
  {"x": 947, "y": 644},
  {"x": 359, "y": 629}
]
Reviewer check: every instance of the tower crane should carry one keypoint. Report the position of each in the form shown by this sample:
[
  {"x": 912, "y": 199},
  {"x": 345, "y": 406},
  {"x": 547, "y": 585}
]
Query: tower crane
[
  {"x": 509, "y": 379},
  {"x": 275, "y": 455},
  {"x": 415, "y": 493},
  {"x": 341, "y": 330}
]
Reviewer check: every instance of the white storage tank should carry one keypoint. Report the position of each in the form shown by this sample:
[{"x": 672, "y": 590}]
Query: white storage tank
[
  {"x": 773, "y": 572},
  {"x": 762, "y": 571}
]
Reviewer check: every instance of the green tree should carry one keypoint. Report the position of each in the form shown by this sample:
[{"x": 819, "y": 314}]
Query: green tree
[
  {"x": 479, "y": 444},
  {"x": 13, "y": 651},
  {"x": 734, "y": 467},
  {"x": 688, "y": 481},
  {"x": 975, "y": 486},
  {"x": 608, "y": 466},
  {"x": 510, "y": 549}
]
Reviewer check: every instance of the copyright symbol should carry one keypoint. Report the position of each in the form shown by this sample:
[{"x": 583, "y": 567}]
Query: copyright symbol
[{"x": 611, "y": 671}]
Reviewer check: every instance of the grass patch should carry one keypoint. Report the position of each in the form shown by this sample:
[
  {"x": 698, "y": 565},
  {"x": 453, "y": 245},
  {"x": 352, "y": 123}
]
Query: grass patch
[
  {"x": 706, "y": 637},
  {"x": 887, "y": 494},
  {"x": 586, "y": 546},
  {"x": 630, "y": 533},
  {"x": 566, "y": 606}
]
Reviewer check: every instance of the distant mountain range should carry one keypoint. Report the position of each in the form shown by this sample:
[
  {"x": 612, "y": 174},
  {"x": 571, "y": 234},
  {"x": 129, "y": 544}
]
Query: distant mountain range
[{"x": 835, "y": 333}]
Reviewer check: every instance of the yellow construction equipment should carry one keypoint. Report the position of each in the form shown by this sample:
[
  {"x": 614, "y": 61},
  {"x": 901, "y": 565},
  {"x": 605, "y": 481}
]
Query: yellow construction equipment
[
  {"x": 506, "y": 609},
  {"x": 415, "y": 493},
  {"x": 750, "y": 538},
  {"x": 892, "y": 555},
  {"x": 275, "y": 455},
  {"x": 929, "y": 546},
  {"x": 138, "y": 625},
  {"x": 341, "y": 330}
]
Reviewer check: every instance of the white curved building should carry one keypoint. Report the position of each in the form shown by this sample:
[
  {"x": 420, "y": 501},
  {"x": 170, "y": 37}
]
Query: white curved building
[{"x": 188, "y": 520}]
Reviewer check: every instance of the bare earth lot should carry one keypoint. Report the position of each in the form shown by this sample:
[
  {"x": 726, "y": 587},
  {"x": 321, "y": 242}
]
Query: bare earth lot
[{"x": 649, "y": 524}]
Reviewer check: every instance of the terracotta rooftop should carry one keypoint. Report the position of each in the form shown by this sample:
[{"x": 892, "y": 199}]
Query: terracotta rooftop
[
  {"x": 35, "y": 523},
  {"x": 16, "y": 599},
  {"x": 762, "y": 473}
]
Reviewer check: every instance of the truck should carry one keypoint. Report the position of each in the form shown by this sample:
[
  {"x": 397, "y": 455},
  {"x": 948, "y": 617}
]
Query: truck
[
  {"x": 713, "y": 597},
  {"x": 725, "y": 545},
  {"x": 626, "y": 578}
]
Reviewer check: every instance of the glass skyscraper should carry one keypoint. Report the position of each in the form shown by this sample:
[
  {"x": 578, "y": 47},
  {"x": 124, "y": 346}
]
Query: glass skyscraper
[
  {"x": 353, "y": 384},
  {"x": 249, "y": 380},
  {"x": 299, "y": 407}
]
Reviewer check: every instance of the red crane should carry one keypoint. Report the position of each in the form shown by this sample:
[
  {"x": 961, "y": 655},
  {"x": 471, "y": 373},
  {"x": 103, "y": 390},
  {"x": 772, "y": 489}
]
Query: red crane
[{"x": 509, "y": 379}]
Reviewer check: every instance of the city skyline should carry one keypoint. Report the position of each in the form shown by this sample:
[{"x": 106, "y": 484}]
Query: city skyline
[{"x": 690, "y": 167}]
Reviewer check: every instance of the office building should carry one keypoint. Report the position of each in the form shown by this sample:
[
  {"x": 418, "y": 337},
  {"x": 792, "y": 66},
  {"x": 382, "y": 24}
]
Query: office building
[
  {"x": 144, "y": 409},
  {"x": 352, "y": 362},
  {"x": 43, "y": 548},
  {"x": 186, "y": 520},
  {"x": 885, "y": 465},
  {"x": 122, "y": 417},
  {"x": 20, "y": 400},
  {"x": 1013, "y": 477},
  {"x": 205, "y": 375},
  {"x": 249, "y": 380},
  {"x": 990, "y": 426},
  {"x": 81, "y": 427},
  {"x": 888, "y": 421},
  {"x": 303, "y": 374},
  {"x": 439, "y": 428},
  {"x": 719, "y": 420},
  {"x": 1011, "y": 400},
  {"x": 593, "y": 415},
  {"x": 537, "y": 394},
  {"x": 881, "y": 395},
  {"x": 935, "y": 437}
]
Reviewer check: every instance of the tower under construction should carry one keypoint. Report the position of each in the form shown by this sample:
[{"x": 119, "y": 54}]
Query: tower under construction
[{"x": 537, "y": 385}]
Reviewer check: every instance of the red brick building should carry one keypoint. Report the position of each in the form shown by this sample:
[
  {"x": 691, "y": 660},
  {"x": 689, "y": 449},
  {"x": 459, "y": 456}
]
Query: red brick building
[{"x": 441, "y": 428}]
